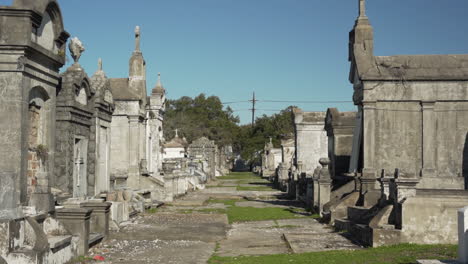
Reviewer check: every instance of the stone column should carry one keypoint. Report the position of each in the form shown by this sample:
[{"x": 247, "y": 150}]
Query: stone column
[
  {"x": 133, "y": 152},
  {"x": 324, "y": 183},
  {"x": 309, "y": 191},
  {"x": 76, "y": 221},
  {"x": 404, "y": 186},
  {"x": 100, "y": 217},
  {"x": 428, "y": 139},
  {"x": 384, "y": 187},
  {"x": 369, "y": 117},
  {"x": 463, "y": 235},
  {"x": 315, "y": 188}
]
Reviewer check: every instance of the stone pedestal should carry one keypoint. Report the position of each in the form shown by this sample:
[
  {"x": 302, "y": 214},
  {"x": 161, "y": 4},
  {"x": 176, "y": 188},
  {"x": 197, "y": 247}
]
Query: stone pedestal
[
  {"x": 76, "y": 221},
  {"x": 370, "y": 195},
  {"x": 324, "y": 185},
  {"x": 309, "y": 191},
  {"x": 99, "y": 222},
  {"x": 463, "y": 235}
]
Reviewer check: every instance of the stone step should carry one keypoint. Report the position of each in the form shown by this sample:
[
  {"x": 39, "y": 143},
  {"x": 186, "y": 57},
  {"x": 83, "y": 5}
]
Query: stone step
[
  {"x": 376, "y": 237},
  {"x": 357, "y": 214},
  {"x": 342, "y": 224},
  {"x": 59, "y": 242},
  {"x": 95, "y": 238}
]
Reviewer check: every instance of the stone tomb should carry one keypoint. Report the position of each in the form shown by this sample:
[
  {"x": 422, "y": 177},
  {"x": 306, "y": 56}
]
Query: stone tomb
[
  {"x": 128, "y": 127},
  {"x": 311, "y": 138},
  {"x": 287, "y": 160},
  {"x": 74, "y": 113},
  {"x": 271, "y": 160},
  {"x": 414, "y": 123},
  {"x": 205, "y": 149},
  {"x": 33, "y": 50},
  {"x": 100, "y": 142}
]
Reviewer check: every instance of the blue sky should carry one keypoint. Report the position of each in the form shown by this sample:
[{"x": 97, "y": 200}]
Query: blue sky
[{"x": 290, "y": 50}]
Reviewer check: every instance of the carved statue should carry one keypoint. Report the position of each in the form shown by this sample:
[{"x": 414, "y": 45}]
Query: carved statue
[{"x": 76, "y": 49}]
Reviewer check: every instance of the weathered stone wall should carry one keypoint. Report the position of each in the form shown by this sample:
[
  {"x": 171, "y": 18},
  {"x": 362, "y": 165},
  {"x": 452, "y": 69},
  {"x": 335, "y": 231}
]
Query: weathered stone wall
[
  {"x": 432, "y": 219},
  {"x": 205, "y": 149},
  {"x": 74, "y": 123},
  {"x": 311, "y": 139},
  {"x": 421, "y": 128}
]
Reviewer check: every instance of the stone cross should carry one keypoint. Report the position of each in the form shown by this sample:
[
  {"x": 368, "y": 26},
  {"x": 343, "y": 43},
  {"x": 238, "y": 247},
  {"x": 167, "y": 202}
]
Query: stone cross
[
  {"x": 362, "y": 8},
  {"x": 137, "y": 38},
  {"x": 271, "y": 142},
  {"x": 100, "y": 64},
  {"x": 177, "y": 132}
]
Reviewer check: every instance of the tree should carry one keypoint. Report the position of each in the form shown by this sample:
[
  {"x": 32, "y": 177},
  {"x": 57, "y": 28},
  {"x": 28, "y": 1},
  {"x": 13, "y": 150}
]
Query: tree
[
  {"x": 251, "y": 140},
  {"x": 201, "y": 117}
]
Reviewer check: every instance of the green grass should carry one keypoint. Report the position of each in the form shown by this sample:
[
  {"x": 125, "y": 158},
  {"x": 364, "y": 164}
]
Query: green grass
[
  {"x": 228, "y": 202},
  {"x": 244, "y": 214},
  {"x": 239, "y": 176},
  {"x": 211, "y": 211},
  {"x": 152, "y": 210},
  {"x": 402, "y": 254},
  {"x": 255, "y": 188}
]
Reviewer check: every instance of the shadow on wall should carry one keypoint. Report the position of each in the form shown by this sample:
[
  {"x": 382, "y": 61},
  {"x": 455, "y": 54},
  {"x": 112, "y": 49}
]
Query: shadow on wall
[{"x": 465, "y": 162}]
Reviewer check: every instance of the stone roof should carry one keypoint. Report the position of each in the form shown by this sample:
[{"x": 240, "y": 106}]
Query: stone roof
[
  {"x": 203, "y": 141},
  {"x": 99, "y": 79},
  {"x": 158, "y": 89},
  {"x": 337, "y": 118},
  {"x": 308, "y": 117},
  {"x": 121, "y": 90},
  {"x": 413, "y": 67},
  {"x": 176, "y": 142},
  {"x": 288, "y": 142}
]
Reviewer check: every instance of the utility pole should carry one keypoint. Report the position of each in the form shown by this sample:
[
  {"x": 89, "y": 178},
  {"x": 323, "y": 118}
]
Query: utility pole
[{"x": 253, "y": 109}]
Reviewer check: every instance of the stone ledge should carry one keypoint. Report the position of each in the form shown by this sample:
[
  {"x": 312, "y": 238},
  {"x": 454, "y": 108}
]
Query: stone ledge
[
  {"x": 58, "y": 242},
  {"x": 433, "y": 261}
]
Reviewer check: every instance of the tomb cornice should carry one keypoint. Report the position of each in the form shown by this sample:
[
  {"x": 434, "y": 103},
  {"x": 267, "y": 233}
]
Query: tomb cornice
[{"x": 34, "y": 16}]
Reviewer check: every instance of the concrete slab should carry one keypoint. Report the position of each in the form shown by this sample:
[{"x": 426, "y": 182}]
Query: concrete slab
[
  {"x": 169, "y": 226},
  {"x": 246, "y": 242},
  {"x": 156, "y": 251},
  {"x": 265, "y": 204},
  {"x": 315, "y": 242},
  {"x": 232, "y": 190},
  {"x": 433, "y": 261}
]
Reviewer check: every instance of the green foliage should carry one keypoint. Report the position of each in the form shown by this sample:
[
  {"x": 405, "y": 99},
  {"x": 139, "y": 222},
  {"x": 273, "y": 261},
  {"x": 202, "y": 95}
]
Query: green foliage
[
  {"x": 206, "y": 116},
  {"x": 201, "y": 116},
  {"x": 251, "y": 140},
  {"x": 404, "y": 253}
]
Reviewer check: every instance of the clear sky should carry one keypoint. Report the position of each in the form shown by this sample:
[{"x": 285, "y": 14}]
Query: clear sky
[{"x": 289, "y": 50}]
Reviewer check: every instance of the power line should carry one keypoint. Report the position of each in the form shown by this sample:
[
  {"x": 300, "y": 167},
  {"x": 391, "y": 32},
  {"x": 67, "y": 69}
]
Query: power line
[
  {"x": 235, "y": 102},
  {"x": 288, "y": 101},
  {"x": 305, "y": 102}
]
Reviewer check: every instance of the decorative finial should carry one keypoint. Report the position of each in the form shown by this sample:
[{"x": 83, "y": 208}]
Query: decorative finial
[
  {"x": 177, "y": 132},
  {"x": 76, "y": 49},
  {"x": 137, "y": 38},
  {"x": 271, "y": 142},
  {"x": 99, "y": 64},
  {"x": 362, "y": 8},
  {"x": 159, "y": 76}
]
